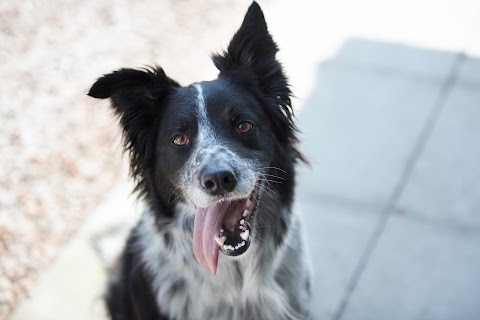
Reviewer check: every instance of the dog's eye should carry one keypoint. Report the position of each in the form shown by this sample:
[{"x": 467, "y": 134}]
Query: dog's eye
[
  {"x": 244, "y": 127},
  {"x": 180, "y": 140}
]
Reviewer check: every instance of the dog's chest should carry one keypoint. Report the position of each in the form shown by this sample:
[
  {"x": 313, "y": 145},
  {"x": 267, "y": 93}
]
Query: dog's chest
[
  {"x": 224, "y": 296},
  {"x": 200, "y": 297},
  {"x": 184, "y": 290}
]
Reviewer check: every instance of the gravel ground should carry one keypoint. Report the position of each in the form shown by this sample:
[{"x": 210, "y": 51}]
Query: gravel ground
[{"x": 59, "y": 149}]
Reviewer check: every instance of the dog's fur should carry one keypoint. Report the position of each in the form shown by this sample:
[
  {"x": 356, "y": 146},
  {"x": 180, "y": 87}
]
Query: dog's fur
[{"x": 158, "y": 276}]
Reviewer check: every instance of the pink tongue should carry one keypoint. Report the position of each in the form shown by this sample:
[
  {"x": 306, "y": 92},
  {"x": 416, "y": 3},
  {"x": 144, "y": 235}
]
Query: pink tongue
[{"x": 208, "y": 222}]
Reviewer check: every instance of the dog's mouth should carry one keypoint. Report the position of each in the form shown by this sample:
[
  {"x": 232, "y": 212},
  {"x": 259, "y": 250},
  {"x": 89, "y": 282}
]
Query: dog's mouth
[{"x": 225, "y": 226}]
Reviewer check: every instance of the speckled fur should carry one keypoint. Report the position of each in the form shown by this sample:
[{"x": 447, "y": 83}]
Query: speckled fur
[{"x": 267, "y": 282}]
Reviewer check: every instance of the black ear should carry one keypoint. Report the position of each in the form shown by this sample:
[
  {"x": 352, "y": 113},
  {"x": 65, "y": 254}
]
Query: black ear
[
  {"x": 251, "y": 54},
  {"x": 250, "y": 63},
  {"x": 252, "y": 47},
  {"x": 137, "y": 97}
]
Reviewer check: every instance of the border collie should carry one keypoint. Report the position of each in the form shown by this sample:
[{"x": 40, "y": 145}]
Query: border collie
[{"x": 214, "y": 163}]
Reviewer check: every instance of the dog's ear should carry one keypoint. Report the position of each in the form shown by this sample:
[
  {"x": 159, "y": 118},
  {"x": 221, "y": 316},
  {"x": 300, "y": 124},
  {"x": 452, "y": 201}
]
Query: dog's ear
[
  {"x": 251, "y": 48},
  {"x": 136, "y": 97},
  {"x": 250, "y": 62}
]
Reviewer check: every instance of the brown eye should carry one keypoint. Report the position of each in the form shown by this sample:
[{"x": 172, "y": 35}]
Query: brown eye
[
  {"x": 180, "y": 139},
  {"x": 244, "y": 127}
]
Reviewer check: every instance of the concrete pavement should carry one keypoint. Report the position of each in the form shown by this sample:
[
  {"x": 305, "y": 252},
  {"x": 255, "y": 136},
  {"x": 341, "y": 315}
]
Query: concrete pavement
[{"x": 392, "y": 202}]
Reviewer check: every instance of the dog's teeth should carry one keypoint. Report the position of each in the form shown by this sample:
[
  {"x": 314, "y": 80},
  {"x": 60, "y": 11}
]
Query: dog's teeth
[
  {"x": 249, "y": 203},
  {"x": 220, "y": 240},
  {"x": 245, "y": 213},
  {"x": 242, "y": 222},
  {"x": 243, "y": 243},
  {"x": 244, "y": 235}
]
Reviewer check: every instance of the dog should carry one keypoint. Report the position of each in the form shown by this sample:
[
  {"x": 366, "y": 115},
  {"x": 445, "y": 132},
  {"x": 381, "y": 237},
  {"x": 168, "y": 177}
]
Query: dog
[{"x": 214, "y": 163}]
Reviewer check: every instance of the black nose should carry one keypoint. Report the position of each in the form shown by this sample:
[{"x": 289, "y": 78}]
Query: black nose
[{"x": 217, "y": 182}]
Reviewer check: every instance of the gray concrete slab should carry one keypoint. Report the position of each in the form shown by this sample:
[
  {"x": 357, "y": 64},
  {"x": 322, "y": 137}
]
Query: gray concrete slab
[
  {"x": 336, "y": 237},
  {"x": 445, "y": 182},
  {"x": 420, "y": 271},
  {"x": 362, "y": 120},
  {"x": 426, "y": 261},
  {"x": 469, "y": 76},
  {"x": 361, "y": 128}
]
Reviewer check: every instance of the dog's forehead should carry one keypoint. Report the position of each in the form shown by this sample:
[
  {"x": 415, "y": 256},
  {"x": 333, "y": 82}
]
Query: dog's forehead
[
  {"x": 217, "y": 88},
  {"x": 208, "y": 104},
  {"x": 203, "y": 98},
  {"x": 216, "y": 98}
]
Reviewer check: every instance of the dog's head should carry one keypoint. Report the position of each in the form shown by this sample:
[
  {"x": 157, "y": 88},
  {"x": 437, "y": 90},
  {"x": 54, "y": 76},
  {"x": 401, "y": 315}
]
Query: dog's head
[{"x": 213, "y": 145}]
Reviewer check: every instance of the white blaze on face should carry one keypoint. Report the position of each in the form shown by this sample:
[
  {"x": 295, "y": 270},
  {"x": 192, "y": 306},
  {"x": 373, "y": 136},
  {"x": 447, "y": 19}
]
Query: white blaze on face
[
  {"x": 206, "y": 135},
  {"x": 214, "y": 150}
]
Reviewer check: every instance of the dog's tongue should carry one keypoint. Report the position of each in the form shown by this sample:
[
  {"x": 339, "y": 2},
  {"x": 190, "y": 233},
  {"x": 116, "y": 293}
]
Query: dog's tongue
[{"x": 208, "y": 222}]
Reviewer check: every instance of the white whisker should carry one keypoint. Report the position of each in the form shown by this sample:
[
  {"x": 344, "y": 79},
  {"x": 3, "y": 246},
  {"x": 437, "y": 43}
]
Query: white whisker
[
  {"x": 272, "y": 175},
  {"x": 275, "y": 168},
  {"x": 269, "y": 180}
]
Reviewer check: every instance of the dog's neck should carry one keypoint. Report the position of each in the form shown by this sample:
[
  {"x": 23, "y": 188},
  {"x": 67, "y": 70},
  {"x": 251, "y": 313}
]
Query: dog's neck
[{"x": 191, "y": 292}]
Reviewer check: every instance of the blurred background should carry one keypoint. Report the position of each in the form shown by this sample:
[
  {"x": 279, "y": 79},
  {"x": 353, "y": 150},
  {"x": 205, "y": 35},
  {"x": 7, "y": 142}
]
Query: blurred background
[{"x": 388, "y": 102}]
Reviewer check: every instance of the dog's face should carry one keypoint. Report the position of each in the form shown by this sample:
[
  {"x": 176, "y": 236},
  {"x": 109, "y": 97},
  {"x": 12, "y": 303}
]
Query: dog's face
[
  {"x": 211, "y": 144},
  {"x": 215, "y": 142}
]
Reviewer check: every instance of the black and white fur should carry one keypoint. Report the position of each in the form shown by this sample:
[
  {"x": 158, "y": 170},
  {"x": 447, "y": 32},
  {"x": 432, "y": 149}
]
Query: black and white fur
[{"x": 158, "y": 276}]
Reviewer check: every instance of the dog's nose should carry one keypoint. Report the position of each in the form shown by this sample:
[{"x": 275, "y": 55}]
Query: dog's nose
[{"x": 217, "y": 182}]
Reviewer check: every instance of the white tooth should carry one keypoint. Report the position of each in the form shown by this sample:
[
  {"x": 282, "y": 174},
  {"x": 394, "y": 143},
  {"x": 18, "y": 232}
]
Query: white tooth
[
  {"x": 243, "y": 243},
  {"x": 244, "y": 235},
  {"x": 245, "y": 213},
  {"x": 221, "y": 240},
  {"x": 249, "y": 203},
  {"x": 221, "y": 230},
  {"x": 242, "y": 222}
]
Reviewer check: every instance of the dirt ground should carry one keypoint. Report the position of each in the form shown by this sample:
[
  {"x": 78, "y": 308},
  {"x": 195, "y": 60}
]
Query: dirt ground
[{"x": 60, "y": 151}]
